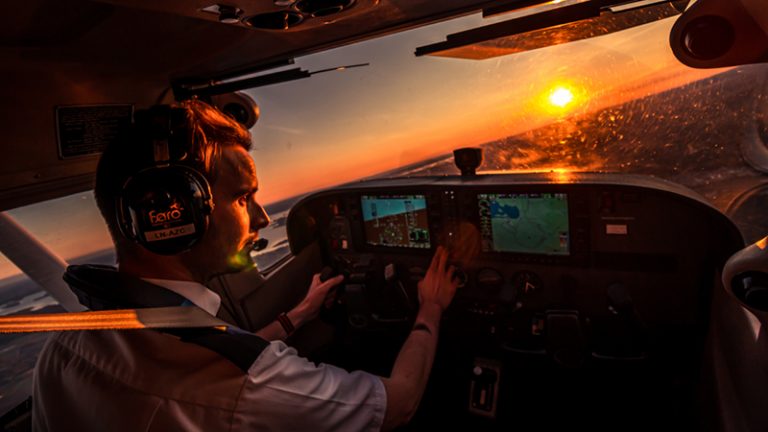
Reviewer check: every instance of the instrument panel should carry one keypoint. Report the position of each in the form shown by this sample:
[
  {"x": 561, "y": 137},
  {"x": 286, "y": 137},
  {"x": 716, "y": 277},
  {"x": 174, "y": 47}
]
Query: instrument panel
[
  {"x": 556, "y": 244},
  {"x": 592, "y": 273},
  {"x": 532, "y": 222}
]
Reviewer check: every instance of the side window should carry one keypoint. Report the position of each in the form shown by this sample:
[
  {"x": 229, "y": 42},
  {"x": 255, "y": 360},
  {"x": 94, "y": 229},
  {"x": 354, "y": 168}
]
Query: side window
[
  {"x": 276, "y": 233},
  {"x": 70, "y": 226},
  {"x": 73, "y": 229},
  {"x": 18, "y": 352}
]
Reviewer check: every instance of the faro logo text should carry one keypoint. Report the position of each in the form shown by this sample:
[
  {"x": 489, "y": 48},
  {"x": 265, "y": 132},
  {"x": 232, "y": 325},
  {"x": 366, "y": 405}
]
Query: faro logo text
[{"x": 173, "y": 214}]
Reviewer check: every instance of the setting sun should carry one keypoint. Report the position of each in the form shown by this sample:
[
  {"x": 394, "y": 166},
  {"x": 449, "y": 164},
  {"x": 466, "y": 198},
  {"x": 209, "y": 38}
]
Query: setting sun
[{"x": 560, "y": 97}]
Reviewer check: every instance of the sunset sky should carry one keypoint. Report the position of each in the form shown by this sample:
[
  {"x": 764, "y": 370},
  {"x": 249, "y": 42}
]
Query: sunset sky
[{"x": 340, "y": 126}]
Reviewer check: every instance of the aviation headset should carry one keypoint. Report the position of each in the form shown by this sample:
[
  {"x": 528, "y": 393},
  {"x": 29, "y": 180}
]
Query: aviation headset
[{"x": 166, "y": 207}]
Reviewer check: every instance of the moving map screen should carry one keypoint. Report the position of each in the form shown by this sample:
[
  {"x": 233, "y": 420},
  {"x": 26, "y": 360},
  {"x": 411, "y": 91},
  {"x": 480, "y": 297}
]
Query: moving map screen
[
  {"x": 524, "y": 223},
  {"x": 396, "y": 220}
]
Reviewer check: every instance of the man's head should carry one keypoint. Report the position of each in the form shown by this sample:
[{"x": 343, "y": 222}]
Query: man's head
[{"x": 215, "y": 146}]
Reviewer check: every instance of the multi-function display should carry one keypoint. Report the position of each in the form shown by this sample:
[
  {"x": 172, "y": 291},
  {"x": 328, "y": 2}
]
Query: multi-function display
[{"x": 524, "y": 223}]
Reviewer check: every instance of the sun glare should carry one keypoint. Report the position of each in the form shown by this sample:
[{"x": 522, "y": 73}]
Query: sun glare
[{"x": 560, "y": 97}]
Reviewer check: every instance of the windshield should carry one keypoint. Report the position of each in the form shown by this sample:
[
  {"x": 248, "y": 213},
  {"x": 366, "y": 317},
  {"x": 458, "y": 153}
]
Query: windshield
[{"x": 616, "y": 103}]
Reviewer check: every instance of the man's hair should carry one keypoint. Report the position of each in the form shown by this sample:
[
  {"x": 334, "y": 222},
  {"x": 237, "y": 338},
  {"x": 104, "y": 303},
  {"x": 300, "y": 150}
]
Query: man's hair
[{"x": 207, "y": 132}]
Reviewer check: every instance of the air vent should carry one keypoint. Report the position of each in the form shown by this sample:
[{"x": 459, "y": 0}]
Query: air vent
[
  {"x": 309, "y": 14},
  {"x": 282, "y": 20},
  {"x": 708, "y": 37},
  {"x": 323, "y": 8}
]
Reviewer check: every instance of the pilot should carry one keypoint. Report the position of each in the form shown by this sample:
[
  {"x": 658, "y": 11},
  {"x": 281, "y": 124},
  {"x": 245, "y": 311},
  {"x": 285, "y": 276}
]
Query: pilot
[{"x": 207, "y": 379}]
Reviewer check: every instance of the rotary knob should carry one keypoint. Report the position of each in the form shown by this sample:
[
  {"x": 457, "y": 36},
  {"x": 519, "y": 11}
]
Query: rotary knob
[{"x": 526, "y": 283}]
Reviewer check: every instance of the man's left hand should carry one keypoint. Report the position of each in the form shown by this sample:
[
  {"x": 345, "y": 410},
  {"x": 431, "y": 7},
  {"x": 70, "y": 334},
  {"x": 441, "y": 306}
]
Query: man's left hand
[{"x": 319, "y": 294}]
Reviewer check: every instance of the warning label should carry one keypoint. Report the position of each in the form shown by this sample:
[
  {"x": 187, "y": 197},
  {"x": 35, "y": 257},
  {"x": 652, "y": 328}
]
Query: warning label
[{"x": 87, "y": 129}]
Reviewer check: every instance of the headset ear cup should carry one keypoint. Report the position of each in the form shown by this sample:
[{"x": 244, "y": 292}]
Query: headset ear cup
[{"x": 163, "y": 208}]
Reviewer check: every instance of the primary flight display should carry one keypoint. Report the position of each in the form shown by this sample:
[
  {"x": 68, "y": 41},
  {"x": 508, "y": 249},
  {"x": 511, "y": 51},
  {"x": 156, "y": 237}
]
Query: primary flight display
[{"x": 396, "y": 220}]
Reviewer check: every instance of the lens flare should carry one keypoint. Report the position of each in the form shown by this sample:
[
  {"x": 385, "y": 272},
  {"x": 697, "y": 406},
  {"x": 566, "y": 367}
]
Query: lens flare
[{"x": 241, "y": 260}]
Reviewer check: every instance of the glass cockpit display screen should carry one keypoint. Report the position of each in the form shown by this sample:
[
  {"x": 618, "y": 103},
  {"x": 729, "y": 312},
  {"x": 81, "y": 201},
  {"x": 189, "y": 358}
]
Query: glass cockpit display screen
[
  {"x": 396, "y": 220},
  {"x": 524, "y": 223}
]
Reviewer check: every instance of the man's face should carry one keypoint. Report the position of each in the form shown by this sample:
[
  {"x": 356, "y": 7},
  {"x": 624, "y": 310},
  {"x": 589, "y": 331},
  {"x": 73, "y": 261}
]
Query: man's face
[{"x": 236, "y": 218}]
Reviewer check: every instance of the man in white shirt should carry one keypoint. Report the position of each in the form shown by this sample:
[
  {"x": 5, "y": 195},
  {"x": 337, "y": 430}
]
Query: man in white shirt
[{"x": 204, "y": 380}]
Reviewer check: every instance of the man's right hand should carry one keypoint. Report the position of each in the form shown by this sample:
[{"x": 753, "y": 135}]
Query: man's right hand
[
  {"x": 439, "y": 285},
  {"x": 411, "y": 370}
]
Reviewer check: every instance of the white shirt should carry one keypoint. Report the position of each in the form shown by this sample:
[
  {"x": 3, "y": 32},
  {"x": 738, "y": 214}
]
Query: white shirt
[{"x": 146, "y": 380}]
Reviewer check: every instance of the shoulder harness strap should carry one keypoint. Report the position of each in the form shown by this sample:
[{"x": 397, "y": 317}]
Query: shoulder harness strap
[{"x": 104, "y": 288}]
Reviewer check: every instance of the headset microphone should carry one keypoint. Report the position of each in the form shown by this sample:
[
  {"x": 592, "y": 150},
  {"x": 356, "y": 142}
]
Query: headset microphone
[{"x": 260, "y": 244}]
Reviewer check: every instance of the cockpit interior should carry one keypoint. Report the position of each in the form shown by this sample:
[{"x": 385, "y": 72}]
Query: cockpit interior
[{"x": 601, "y": 283}]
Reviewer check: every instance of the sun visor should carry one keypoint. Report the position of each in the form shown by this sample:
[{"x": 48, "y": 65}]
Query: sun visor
[
  {"x": 553, "y": 23},
  {"x": 720, "y": 33}
]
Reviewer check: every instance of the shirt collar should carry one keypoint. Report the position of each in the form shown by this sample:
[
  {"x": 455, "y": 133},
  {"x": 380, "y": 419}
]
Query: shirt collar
[{"x": 196, "y": 293}]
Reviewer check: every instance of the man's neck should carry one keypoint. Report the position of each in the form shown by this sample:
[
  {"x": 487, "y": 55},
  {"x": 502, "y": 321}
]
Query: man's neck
[{"x": 158, "y": 267}]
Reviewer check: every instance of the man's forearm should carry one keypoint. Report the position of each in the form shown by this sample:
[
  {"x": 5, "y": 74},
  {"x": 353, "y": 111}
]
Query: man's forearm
[{"x": 412, "y": 367}]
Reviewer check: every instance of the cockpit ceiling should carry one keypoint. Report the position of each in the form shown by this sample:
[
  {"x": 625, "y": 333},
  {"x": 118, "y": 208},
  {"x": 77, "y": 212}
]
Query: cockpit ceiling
[{"x": 185, "y": 39}]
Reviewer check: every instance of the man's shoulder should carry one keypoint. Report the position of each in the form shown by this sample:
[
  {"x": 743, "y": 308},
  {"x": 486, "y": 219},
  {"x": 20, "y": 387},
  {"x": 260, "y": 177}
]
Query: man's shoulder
[
  {"x": 136, "y": 379},
  {"x": 144, "y": 360}
]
